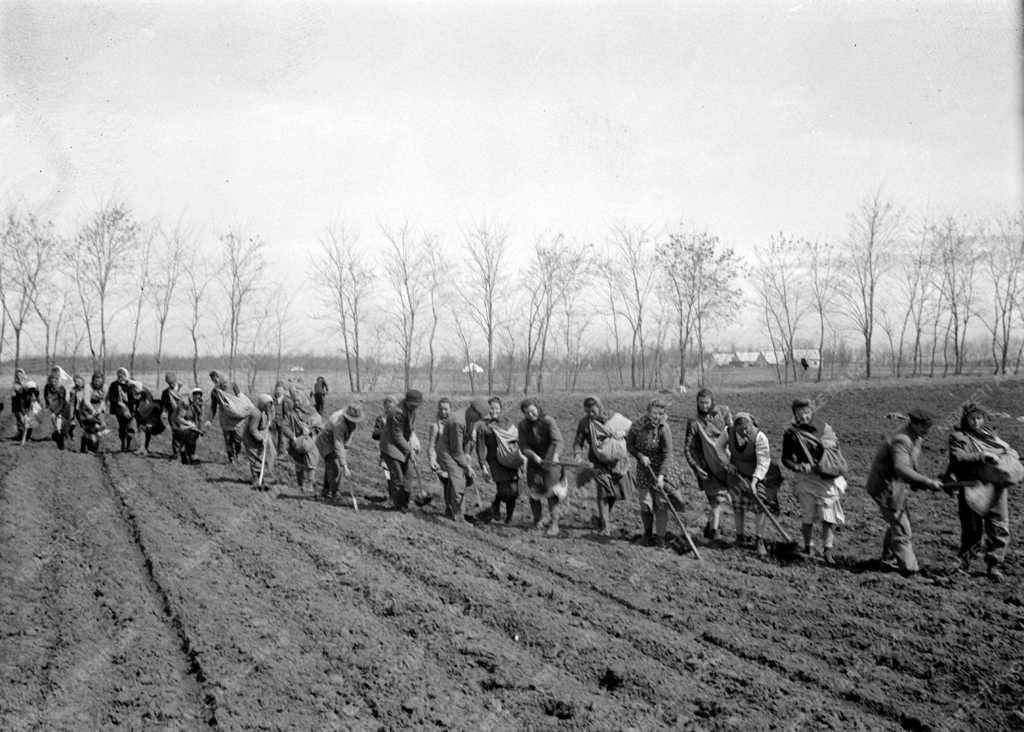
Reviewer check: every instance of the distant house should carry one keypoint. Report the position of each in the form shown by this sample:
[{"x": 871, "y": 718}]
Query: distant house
[
  {"x": 718, "y": 360},
  {"x": 747, "y": 358}
]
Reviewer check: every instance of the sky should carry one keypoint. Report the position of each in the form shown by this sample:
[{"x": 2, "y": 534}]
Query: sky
[{"x": 278, "y": 118}]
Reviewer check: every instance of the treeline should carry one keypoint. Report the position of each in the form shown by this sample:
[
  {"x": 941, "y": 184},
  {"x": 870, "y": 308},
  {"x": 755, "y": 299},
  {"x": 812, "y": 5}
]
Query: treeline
[{"x": 639, "y": 306}]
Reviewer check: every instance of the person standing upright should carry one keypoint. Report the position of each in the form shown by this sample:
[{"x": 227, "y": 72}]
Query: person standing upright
[{"x": 706, "y": 449}]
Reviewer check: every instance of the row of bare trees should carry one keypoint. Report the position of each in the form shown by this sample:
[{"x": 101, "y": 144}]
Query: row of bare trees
[
  {"x": 921, "y": 285},
  {"x": 911, "y": 293}
]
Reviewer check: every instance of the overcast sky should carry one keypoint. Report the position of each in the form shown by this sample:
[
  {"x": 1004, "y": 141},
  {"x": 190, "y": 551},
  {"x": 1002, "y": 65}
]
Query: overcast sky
[{"x": 743, "y": 118}]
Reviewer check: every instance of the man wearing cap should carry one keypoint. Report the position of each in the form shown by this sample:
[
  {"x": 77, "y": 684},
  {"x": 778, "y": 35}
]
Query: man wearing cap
[
  {"x": 332, "y": 442},
  {"x": 398, "y": 444},
  {"x": 892, "y": 476}
]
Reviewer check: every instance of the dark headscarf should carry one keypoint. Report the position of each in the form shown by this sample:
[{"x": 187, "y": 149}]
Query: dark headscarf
[{"x": 972, "y": 408}]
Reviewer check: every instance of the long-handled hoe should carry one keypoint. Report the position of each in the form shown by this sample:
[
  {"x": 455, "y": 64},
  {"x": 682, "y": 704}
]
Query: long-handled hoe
[
  {"x": 789, "y": 548},
  {"x": 675, "y": 515},
  {"x": 263, "y": 464}
]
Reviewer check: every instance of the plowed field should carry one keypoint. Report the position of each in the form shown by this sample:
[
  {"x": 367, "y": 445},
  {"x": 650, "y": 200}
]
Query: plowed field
[{"x": 142, "y": 593}]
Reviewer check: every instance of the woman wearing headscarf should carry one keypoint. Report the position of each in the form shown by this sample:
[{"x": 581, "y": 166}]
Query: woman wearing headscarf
[
  {"x": 749, "y": 461},
  {"x": 233, "y": 412},
  {"x": 540, "y": 442},
  {"x": 707, "y": 455},
  {"x": 55, "y": 397},
  {"x": 974, "y": 452},
  {"x": 649, "y": 441},
  {"x": 258, "y": 440},
  {"x": 804, "y": 443},
  {"x": 121, "y": 402},
  {"x": 297, "y": 426},
  {"x": 608, "y": 478},
  {"x": 17, "y": 408},
  {"x": 505, "y": 477}
]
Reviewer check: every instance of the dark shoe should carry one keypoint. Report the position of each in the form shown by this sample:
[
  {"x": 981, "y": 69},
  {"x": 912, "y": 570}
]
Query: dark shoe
[
  {"x": 885, "y": 565},
  {"x": 423, "y": 500},
  {"x": 659, "y": 542},
  {"x": 647, "y": 540},
  {"x": 708, "y": 531},
  {"x": 740, "y": 541}
]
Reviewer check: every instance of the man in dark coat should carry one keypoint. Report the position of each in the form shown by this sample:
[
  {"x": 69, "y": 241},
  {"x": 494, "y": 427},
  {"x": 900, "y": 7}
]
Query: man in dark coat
[{"x": 399, "y": 445}]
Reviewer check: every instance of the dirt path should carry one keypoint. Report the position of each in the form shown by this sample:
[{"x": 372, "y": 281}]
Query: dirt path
[{"x": 91, "y": 639}]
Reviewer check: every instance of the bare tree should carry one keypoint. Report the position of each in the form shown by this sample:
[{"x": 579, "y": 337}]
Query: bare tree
[
  {"x": 142, "y": 273},
  {"x": 437, "y": 293},
  {"x": 1004, "y": 260},
  {"x": 29, "y": 247},
  {"x": 465, "y": 342},
  {"x": 574, "y": 310},
  {"x": 915, "y": 293},
  {"x": 198, "y": 276},
  {"x": 278, "y": 317},
  {"x": 241, "y": 265},
  {"x": 486, "y": 246},
  {"x": 172, "y": 260},
  {"x": 701, "y": 277},
  {"x": 873, "y": 229},
  {"x": 823, "y": 280},
  {"x": 404, "y": 267},
  {"x": 103, "y": 251},
  {"x": 631, "y": 271},
  {"x": 958, "y": 258},
  {"x": 782, "y": 283},
  {"x": 345, "y": 280},
  {"x": 541, "y": 282},
  {"x": 52, "y": 305}
]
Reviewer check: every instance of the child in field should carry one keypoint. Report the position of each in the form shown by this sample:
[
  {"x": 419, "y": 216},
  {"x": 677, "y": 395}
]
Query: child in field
[
  {"x": 186, "y": 420},
  {"x": 147, "y": 415},
  {"x": 89, "y": 414}
]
